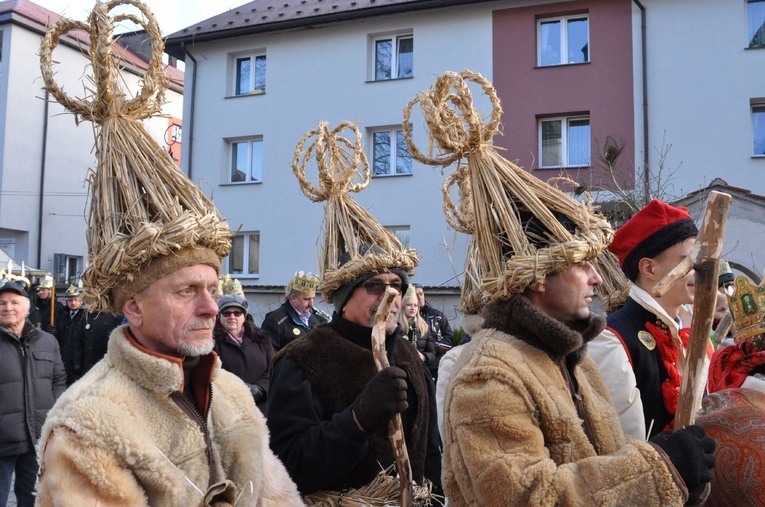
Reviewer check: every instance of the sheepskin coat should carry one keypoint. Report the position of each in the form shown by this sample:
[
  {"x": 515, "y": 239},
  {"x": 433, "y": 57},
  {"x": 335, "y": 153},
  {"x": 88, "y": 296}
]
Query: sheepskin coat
[
  {"x": 513, "y": 434},
  {"x": 122, "y": 436}
]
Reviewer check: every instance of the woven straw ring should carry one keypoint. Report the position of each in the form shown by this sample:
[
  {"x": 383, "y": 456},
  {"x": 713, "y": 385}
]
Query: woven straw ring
[
  {"x": 109, "y": 101},
  {"x": 331, "y": 150}
]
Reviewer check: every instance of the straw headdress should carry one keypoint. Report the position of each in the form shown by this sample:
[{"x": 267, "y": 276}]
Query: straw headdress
[
  {"x": 523, "y": 228},
  {"x": 354, "y": 242},
  {"x": 147, "y": 219}
]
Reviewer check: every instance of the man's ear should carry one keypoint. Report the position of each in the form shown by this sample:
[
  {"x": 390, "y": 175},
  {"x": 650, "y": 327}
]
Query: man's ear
[
  {"x": 646, "y": 268},
  {"x": 133, "y": 311},
  {"x": 541, "y": 289}
]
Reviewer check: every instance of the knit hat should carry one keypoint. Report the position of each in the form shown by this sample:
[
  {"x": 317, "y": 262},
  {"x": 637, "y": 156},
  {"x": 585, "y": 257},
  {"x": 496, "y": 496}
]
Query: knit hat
[
  {"x": 653, "y": 229},
  {"x": 147, "y": 219},
  {"x": 523, "y": 228},
  {"x": 356, "y": 246}
]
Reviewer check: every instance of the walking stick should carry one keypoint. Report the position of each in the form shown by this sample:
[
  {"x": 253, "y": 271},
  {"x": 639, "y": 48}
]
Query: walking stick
[
  {"x": 395, "y": 427},
  {"x": 704, "y": 258}
]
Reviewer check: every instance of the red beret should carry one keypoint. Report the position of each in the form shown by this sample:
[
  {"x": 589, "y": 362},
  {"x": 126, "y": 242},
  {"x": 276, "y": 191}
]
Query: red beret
[{"x": 652, "y": 230}]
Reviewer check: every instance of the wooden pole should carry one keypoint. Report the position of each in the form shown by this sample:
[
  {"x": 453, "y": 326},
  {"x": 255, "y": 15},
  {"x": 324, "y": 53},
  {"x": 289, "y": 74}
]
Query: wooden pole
[
  {"x": 704, "y": 259},
  {"x": 395, "y": 427}
]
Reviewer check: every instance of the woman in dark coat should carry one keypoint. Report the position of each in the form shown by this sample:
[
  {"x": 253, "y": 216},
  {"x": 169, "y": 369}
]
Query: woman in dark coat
[
  {"x": 417, "y": 331},
  {"x": 244, "y": 349}
]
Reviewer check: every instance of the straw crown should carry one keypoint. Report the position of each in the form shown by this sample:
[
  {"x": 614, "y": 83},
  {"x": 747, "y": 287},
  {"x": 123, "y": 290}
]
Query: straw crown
[
  {"x": 499, "y": 202},
  {"x": 348, "y": 228},
  {"x": 228, "y": 285},
  {"x": 142, "y": 206}
]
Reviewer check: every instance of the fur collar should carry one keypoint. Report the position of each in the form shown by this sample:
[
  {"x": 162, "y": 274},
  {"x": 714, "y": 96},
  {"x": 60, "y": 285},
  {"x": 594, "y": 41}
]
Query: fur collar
[{"x": 518, "y": 317}]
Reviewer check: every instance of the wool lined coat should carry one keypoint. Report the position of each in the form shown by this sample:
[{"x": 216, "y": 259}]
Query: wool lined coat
[
  {"x": 124, "y": 436},
  {"x": 513, "y": 434}
]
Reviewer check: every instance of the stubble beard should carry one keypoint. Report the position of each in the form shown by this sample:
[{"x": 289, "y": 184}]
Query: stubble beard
[{"x": 186, "y": 349}]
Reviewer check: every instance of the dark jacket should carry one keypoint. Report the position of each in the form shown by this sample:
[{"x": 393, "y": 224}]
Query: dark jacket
[
  {"x": 647, "y": 364},
  {"x": 284, "y": 325},
  {"x": 39, "y": 314},
  {"x": 67, "y": 330},
  {"x": 425, "y": 344},
  {"x": 314, "y": 383},
  {"x": 250, "y": 361},
  {"x": 94, "y": 336},
  {"x": 31, "y": 378},
  {"x": 439, "y": 327}
]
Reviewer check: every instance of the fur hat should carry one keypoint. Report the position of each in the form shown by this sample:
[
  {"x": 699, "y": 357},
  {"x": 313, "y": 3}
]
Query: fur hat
[
  {"x": 523, "y": 228},
  {"x": 653, "y": 229},
  {"x": 355, "y": 245},
  {"x": 147, "y": 219}
]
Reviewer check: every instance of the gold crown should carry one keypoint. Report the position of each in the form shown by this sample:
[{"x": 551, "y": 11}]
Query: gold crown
[
  {"x": 747, "y": 304},
  {"x": 303, "y": 282},
  {"x": 228, "y": 285}
]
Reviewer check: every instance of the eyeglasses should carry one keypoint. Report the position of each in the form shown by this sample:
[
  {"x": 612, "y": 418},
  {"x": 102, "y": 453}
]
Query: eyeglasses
[
  {"x": 229, "y": 313},
  {"x": 377, "y": 288}
]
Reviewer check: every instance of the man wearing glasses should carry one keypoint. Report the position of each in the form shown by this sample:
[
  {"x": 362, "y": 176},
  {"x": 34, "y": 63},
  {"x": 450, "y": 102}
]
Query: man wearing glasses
[{"x": 329, "y": 407}]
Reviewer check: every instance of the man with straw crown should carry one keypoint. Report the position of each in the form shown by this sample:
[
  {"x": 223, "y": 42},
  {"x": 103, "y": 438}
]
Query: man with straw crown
[
  {"x": 157, "y": 421},
  {"x": 330, "y": 408},
  {"x": 528, "y": 419}
]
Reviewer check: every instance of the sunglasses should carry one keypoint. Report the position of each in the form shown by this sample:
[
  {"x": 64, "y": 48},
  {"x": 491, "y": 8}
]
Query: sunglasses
[
  {"x": 377, "y": 288},
  {"x": 229, "y": 313}
]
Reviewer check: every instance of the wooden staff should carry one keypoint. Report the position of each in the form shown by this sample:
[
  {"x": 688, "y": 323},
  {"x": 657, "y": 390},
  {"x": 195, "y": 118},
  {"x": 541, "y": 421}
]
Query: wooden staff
[
  {"x": 52, "y": 306},
  {"x": 395, "y": 427},
  {"x": 722, "y": 328},
  {"x": 704, "y": 258}
]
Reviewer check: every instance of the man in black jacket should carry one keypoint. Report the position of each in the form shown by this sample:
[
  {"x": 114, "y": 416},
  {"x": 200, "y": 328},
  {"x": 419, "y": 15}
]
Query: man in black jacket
[
  {"x": 31, "y": 378},
  {"x": 296, "y": 316},
  {"x": 330, "y": 408},
  {"x": 437, "y": 322}
]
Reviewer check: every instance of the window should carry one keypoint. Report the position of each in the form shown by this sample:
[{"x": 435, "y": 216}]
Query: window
[
  {"x": 402, "y": 234},
  {"x": 393, "y": 57},
  {"x": 758, "y": 127},
  {"x": 755, "y": 12},
  {"x": 250, "y": 78},
  {"x": 244, "y": 257},
  {"x": 563, "y": 40},
  {"x": 390, "y": 154},
  {"x": 564, "y": 142},
  {"x": 68, "y": 268},
  {"x": 246, "y": 161}
]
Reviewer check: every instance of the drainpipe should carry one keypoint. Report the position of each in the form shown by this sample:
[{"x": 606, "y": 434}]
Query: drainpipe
[
  {"x": 644, "y": 64},
  {"x": 42, "y": 179},
  {"x": 188, "y": 131}
]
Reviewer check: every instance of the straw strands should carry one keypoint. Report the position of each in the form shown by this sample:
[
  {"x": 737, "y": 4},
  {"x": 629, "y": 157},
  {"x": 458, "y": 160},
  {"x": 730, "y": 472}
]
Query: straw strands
[
  {"x": 515, "y": 218},
  {"x": 142, "y": 205},
  {"x": 347, "y": 226}
]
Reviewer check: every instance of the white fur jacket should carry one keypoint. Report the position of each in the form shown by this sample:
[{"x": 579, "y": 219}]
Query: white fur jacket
[
  {"x": 118, "y": 438},
  {"x": 513, "y": 435}
]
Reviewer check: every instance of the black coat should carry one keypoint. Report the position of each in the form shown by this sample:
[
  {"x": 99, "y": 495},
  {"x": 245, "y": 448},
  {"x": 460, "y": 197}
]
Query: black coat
[
  {"x": 83, "y": 339},
  {"x": 426, "y": 345},
  {"x": 32, "y": 377},
  {"x": 439, "y": 327},
  {"x": 284, "y": 325},
  {"x": 250, "y": 362},
  {"x": 39, "y": 314}
]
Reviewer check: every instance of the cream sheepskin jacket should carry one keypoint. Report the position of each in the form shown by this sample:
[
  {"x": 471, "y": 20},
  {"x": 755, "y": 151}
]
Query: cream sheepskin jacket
[
  {"x": 117, "y": 438},
  {"x": 512, "y": 433}
]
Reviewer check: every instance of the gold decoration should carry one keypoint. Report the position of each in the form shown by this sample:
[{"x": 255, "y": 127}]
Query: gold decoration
[
  {"x": 747, "y": 305},
  {"x": 304, "y": 283}
]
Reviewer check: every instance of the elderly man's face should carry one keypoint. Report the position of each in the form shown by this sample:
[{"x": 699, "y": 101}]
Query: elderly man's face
[
  {"x": 175, "y": 315},
  {"x": 301, "y": 301},
  {"x": 362, "y": 306},
  {"x": 566, "y": 296},
  {"x": 13, "y": 311}
]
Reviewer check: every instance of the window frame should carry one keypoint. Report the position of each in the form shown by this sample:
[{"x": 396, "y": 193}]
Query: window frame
[
  {"x": 752, "y": 34},
  {"x": 757, "y": 110},
  {"x": 564, "y": 141},
  {"x": 393, "y": 131},
  {"x": 228, "y": 178},
  {"x": 253, "y": 89},
  {"x": 396, "y": 39},
  {"x": 397, "y": 230},
  {"x": 245, "y": 239},
  {"x": 564, "y": 42}
]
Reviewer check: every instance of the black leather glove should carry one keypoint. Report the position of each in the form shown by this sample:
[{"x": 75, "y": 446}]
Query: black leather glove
[
  {"x": 382, "y": 398},
  {"x": 691, "y": 451},
  {"x": 257, "y": 392}
]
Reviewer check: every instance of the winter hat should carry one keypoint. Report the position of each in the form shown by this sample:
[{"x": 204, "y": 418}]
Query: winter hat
[
  {"x": 523, "y": 228},
  {"x": 234, "y": 300},
  {"x": 147, "y": 219},
  {"x": 356, "y": 246},
  {"x": 9, "y": 286},
  {"x": 652, "y": 230}
]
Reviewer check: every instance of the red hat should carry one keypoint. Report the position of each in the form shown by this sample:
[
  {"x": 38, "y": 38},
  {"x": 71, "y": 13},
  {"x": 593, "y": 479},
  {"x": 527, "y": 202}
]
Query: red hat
[{"x": 652, "y": 230}]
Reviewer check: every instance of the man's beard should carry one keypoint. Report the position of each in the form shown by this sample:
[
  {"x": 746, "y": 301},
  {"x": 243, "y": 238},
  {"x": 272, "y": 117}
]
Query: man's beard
[{"x": 188, "y": 350}]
